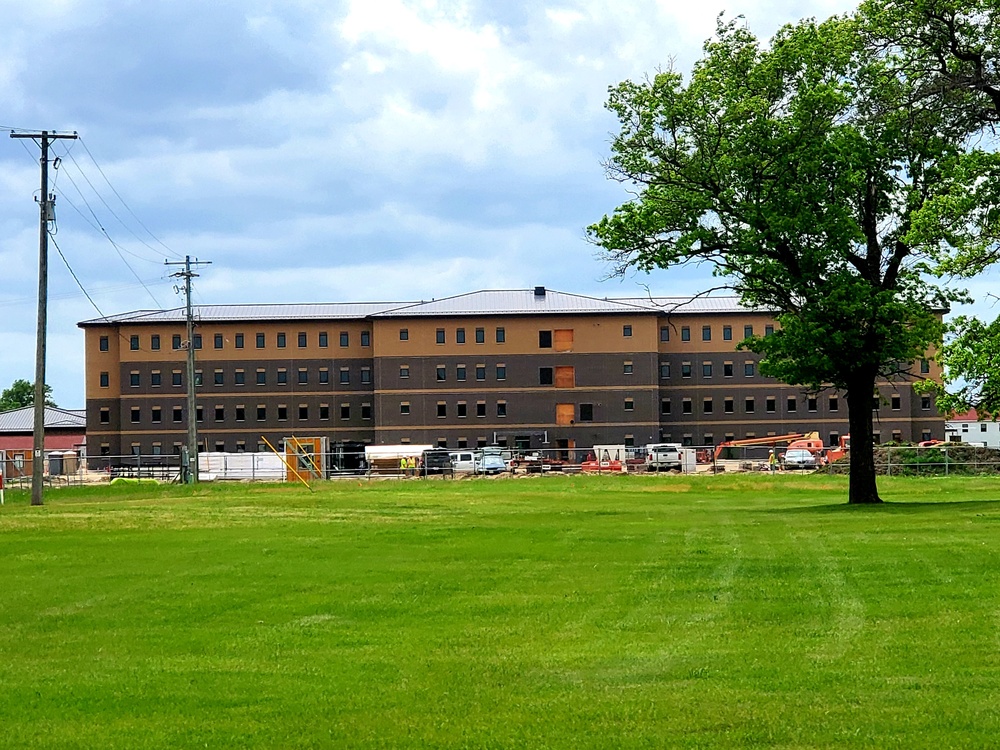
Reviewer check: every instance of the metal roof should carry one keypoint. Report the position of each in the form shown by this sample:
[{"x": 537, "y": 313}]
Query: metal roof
[
  {"x": 23, "y": 419},
  {"x": 225, "y": 313},
  {"x": 537, "y": 301}
]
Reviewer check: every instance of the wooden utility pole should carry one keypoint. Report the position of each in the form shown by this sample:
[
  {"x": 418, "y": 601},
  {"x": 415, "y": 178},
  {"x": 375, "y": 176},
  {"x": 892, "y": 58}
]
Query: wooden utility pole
[
  {"x": 46, "y": 204},
  {"x": 191, "y": 468}
]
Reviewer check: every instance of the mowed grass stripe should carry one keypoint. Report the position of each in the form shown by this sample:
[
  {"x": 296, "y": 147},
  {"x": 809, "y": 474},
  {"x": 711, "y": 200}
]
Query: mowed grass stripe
[{"x": 555, "y": 612}]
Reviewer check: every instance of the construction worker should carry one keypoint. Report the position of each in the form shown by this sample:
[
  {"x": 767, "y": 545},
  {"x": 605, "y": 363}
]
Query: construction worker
[
  {"x": 404, "y": 465},
  {"x": 772, "y": 461}
]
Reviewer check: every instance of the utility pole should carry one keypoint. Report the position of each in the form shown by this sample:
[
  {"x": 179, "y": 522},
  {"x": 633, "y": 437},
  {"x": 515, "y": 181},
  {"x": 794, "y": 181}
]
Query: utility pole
[
  {"x": 46, "y": 206},
  {"x": 190, "y": 464}
]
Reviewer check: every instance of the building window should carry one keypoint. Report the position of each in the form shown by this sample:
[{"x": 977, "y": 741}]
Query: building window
[
  {"x": 345, "y": 339},
  {"x": 748, "y": 405},
  {"x": 366, "y": 375},
  {"x": 706, "y": 406},
  {"x": 105, "y": 415},
  {"x": 501, "y": 371},
  {"x": 629, "y": 404},
  {"x": 345, "y": 376},
  {"x": 459, "y": 336},
  {"x": 404, "y": 371},
  {"x": 664, "y": 370},
  {"x": 178, "y": 414},
  {"x": 460, "y": 373},
  {"x": 105, "y": 380},
  {"x": 154, "y": 342},
  {"x": 895, "y": 402},
  {"x": 303, "y": 376},
  {"x": 366, "y": 338},
  {"x": 135, "y": 414},
  {"x": 241, "y": 413},
  {"x": 240, "y": 377},
  {"x": 404, "y": 334},
  {"x": 811, "y": 403},
  {"x": 627, "y": 367},
  {"x": 727, "y": 369},
  {"x": 925, "y": 402},
  {"x": 925, "y": 367},
  {"x": 627, "y": 331},
  {"x": 834, "y": 403},
  {"x": 480, "y": 372},
  {"x": 685, "y": 369},
  {"x": 366, "y": 411},
  {"x": 324, "y": 339},
  {"x": 239, "y": 340},
  {"x": 665, "y": 406},
  {"x": 706, "y": 369},
  {"x": 104, "y": 343},
  {"x": 217, "y": 341},
  {"x": 501, "y": 335},
  {"x": 261, "y": 377},
  {"x": 748, "y": 369},
  {"x": 260, "y": 341},
  {"x": 686, "y": 406},
  {"x": 199, "y": 414},
  {"x": 770, "y": 404},
  {"x": 218, "y": 377},
  {"x": 220, "y": 413},
  {"x": 282, "y": 376},
  {"x": 706, "y": 333},
  {"x": 728, "y": 405},
  {"x": 439, "y": 336},
  {"x": 586, "y": 412},
  {"x": 303, "y": 412},
  {"x": 480, "y": 408},
  {"x": 345, "y": 411},
  {"x": 768, "y": 330},
  {"x": 501, "y": 408},
  {"x": 442, "y": 409},
  {"x": 282, "y": 340},
  {"x": 176, "y": 378},
  {"x": 747, "y": 331},
  {"x": 727, "y": 333},
  {"x": 791, "y": 403},
  {"x": 441, "y": 372},
  {"x": 545, "y": 375},
  {"x": 175, "y": 341},
  {"x": 303, "y": 339},
  {"x": 198, "y": 377},
  {"x": 155, "y": 379},
  {"x": 664, "y": 333},
  {"x": 461, "y": 409},
  {"x": 545, "y": 339},
  {"x": 133, "y": 343},
  {"x": 480, "y": 335},
  {"x": 685, "y": 333},
  {"x": 197, "y": 341}
]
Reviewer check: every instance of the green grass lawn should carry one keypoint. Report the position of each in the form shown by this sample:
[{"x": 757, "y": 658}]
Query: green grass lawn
[{"x": 558, "y": 612}]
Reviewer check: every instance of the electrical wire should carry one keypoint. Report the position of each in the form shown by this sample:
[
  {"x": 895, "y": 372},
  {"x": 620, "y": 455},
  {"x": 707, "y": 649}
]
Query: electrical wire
[
  {"x": 72, "y": 273},
  {"x": 127, "y": 207}
]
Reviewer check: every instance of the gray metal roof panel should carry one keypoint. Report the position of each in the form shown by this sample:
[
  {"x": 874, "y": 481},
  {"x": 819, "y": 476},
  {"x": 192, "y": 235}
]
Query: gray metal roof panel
[
  {"x": 23, "y": 419},
  {"x": 512, "y": 302},
  {"x": 224, "y": 313},
  {"x": 692, "y": 305}
]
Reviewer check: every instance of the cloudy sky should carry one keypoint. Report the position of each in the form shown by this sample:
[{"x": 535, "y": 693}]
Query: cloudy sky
[{"x": 315, "y": 150}]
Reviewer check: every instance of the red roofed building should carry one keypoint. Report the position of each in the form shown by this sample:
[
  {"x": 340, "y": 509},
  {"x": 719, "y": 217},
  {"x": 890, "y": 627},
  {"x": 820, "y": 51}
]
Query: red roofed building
[
  {"x": 65, "y": 430},
  {"x": 969, "y": 428}
]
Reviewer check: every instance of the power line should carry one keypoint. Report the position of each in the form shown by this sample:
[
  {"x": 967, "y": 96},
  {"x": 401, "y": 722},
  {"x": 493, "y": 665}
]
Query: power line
[{"x": 127, "y": 207}]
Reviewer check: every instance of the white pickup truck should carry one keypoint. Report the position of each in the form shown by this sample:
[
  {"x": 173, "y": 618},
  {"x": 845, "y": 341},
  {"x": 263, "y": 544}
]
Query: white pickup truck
[{"x": 663, "y": 456}]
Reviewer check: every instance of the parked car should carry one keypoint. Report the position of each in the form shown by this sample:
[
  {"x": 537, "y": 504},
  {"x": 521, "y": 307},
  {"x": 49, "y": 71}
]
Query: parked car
[
  {"x": 796, "y": 458},
  {"x": 463, "y": 461},
  {"x": 489, "y": 463},
  {"x": 435, "y": 461},
  {"x": 663, "y": 456}
]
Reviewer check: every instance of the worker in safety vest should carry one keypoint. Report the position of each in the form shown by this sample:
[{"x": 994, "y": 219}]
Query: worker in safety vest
[{"x": 772, "y": 461}]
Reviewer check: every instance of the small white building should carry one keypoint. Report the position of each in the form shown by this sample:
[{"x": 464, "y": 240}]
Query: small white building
[{"x": 969, "y": 428}]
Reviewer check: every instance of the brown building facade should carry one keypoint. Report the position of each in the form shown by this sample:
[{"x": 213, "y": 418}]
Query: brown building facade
[{"x": 527, "y": 368}]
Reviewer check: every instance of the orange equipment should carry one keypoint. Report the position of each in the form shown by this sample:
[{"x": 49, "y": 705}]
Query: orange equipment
[{"x": 770, "y": 440}]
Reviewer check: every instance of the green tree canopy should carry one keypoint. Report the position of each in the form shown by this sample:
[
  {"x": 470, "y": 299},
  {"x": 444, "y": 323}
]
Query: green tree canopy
[
  {"x": 802, "y": 172},
  {"x": 22, "y": 393}
]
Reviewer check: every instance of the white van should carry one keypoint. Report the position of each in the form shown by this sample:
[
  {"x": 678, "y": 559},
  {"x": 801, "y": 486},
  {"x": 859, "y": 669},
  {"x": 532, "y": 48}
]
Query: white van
[{"x": 663, "y": 456}]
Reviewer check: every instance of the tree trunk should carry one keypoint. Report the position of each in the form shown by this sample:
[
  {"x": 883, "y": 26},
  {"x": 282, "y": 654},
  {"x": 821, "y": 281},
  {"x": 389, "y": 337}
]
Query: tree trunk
[{"x": 863, "y": 488}]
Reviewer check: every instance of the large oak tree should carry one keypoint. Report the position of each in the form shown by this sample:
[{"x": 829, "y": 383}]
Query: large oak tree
[{"x": 804, "y": 174}]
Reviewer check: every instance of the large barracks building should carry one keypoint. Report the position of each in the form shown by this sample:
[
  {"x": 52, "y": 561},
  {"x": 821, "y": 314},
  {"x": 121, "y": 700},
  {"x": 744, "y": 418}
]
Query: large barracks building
[{"x": 529, "y": 368}]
